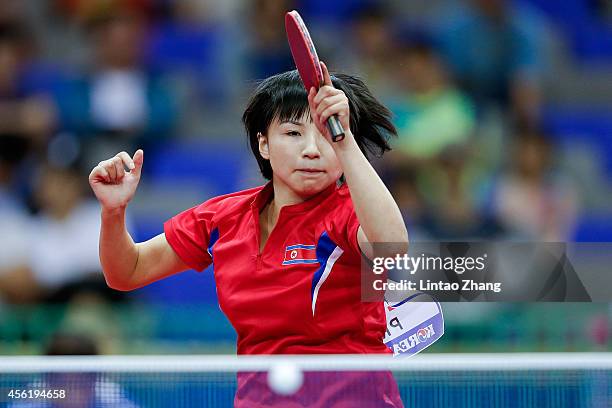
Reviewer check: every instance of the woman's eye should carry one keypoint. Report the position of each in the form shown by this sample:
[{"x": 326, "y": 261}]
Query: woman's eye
[{"x": 293, "y": 133}]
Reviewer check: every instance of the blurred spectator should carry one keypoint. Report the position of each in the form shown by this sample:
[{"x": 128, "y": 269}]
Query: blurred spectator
[
  {"x": 203, "y": 12},
  {"x": 432, "y": 115},
  {"x": 405, "y": 189},
  {"x": 532, "y": 200},
  {"x": 118, "y": 105},
  {"x": 14, "y": 224},
  {"x": 52, "y": 256},
  {"x": 11, "y": 11},
  {"x": 81, "y": 11},
  {"x": 372, "y": 41},
  {"x": 495, "y": 49},
  {"x": 26, "y": 120},
  {"x": 63, "y": 247},
  {"x": 451, "y": 186},
  {"x": 82, "y": 390},
  {"x": 431, "y": 160},
  {"x": 26, "y": 117},
  {"x": 268, "y": 52},
  {"x": 190, "y": 45}
]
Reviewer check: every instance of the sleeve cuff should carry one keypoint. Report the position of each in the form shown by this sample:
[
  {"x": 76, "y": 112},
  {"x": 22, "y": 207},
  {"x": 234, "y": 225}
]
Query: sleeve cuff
[{"x": 181, "y": 250}]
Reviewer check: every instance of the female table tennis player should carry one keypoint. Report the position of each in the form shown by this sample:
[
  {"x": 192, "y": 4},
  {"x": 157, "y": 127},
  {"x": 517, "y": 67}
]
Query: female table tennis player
[{"x": 286, "y": 255}]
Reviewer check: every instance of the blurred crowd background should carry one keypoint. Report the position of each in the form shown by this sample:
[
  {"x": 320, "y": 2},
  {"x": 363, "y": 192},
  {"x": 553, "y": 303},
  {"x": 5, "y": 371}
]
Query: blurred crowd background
[{"x": 504, "y": 112}]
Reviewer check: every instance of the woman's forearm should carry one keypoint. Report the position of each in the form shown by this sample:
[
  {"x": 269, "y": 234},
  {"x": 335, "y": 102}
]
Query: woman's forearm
[
  {"x": 118, "y": 252},
  {"x": 378, "y": 214}
]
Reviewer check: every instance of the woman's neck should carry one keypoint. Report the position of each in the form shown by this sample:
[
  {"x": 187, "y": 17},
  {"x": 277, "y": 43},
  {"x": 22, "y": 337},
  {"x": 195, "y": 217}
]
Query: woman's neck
[{"x": 283, "y": 195}]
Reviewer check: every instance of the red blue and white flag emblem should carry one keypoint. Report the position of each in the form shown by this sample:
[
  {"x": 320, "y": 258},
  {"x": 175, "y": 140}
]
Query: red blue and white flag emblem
[{"x": 300, "y": 254}]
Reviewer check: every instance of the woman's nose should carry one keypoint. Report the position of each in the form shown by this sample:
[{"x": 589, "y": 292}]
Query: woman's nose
[{"x": 310, "y": 148}]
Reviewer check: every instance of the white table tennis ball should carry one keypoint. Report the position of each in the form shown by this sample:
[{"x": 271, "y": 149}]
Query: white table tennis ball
[{"x": 285, "y": 378}]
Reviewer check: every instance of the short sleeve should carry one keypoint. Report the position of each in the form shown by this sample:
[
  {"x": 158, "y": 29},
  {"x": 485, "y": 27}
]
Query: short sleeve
[
  {"x": 188, "y": 233},
  {"x": 343, "y": 226},
  {"x": 352, "y": 227}
]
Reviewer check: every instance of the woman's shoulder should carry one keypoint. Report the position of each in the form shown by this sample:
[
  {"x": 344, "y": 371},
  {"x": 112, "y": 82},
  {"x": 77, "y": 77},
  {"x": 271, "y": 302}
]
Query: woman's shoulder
[
  {"x": 343, "y": 195},
  {"x": 338, "y": 206}
]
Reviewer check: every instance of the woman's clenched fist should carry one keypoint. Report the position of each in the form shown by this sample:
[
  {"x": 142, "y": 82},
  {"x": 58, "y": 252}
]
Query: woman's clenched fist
[{"x": 114, "y": 181}]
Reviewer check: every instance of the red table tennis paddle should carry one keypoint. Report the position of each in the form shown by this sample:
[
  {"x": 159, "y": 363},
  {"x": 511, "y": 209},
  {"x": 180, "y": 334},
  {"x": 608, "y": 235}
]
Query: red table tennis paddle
[{"x": 307, "y": 63}]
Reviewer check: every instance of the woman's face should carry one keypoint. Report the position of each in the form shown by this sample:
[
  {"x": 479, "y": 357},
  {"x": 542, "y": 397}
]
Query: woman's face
[{"x": 301, "y": 157}]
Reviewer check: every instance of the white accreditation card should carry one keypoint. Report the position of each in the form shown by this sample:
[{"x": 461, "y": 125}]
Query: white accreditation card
[{"x": 413, "y": 324}]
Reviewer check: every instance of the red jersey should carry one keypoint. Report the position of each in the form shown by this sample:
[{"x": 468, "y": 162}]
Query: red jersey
[{"x": 302, "y": 293}]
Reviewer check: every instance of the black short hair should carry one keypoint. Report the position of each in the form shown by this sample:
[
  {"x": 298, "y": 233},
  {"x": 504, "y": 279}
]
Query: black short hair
[{"x": 283, "y": 96}]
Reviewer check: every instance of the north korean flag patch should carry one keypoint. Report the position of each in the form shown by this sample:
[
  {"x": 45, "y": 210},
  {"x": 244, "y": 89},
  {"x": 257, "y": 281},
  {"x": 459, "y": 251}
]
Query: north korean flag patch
[{"x": 300, "y": 254}]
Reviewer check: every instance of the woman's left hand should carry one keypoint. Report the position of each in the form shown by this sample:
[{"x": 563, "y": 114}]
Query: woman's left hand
[{"x": 326, "y": 102}]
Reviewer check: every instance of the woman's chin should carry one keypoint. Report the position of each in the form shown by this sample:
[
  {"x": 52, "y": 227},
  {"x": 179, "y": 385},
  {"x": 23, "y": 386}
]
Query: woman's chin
[{"x": 308, "y": 188}]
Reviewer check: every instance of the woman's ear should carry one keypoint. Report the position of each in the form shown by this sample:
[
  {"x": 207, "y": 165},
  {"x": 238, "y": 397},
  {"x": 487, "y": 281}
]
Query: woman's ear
[{"x": 263, "y": 146}]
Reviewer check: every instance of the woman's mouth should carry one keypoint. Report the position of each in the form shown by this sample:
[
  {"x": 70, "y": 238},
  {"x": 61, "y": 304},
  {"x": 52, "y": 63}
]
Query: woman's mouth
[{"x": 310, "y": 171}]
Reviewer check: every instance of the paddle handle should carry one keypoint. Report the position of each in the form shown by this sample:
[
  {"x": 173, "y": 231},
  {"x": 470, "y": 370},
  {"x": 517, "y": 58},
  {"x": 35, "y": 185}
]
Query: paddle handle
[{"x": 335, "y": 128}]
